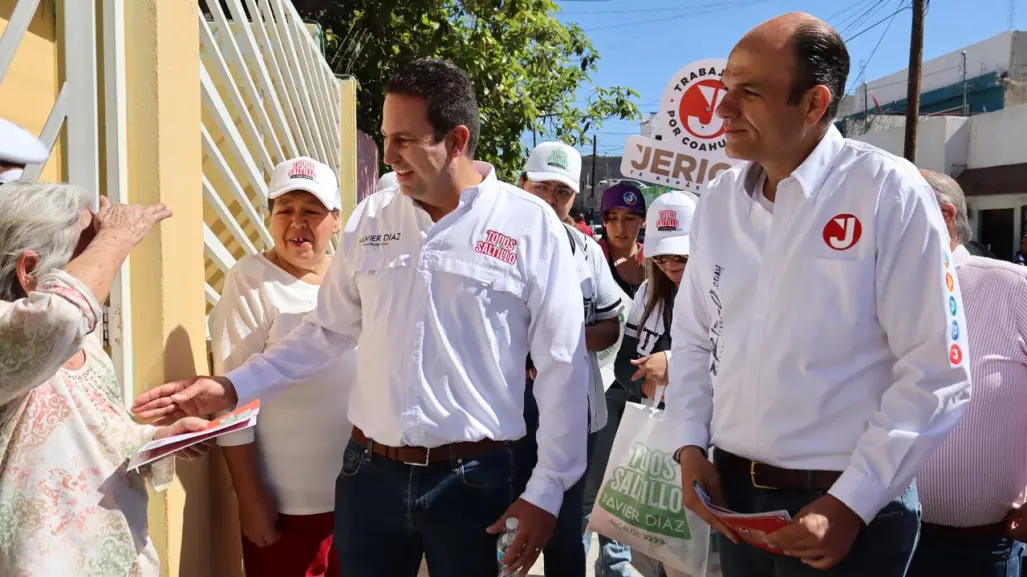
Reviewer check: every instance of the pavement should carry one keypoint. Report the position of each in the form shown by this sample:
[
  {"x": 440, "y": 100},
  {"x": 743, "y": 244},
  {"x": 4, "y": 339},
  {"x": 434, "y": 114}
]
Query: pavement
[{"x": 536, "y": 570}]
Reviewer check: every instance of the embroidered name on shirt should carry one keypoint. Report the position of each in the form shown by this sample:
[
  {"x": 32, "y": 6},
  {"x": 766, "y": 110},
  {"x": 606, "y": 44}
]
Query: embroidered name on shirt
[
  {"x": 302, "y": 169},
  {"x": 717, "y": 326},
  {"x": 379, "y": 239},
  {"x": 498, "y": 246},
  {"x": 842, "y": 232},
  {"x": 668, "y": 220}
]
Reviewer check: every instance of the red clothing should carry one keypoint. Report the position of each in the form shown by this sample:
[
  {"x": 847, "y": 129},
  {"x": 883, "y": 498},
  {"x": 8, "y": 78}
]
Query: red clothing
[
  {"x": 304, "y": 550},
  {"x": 584, "y": 228}
]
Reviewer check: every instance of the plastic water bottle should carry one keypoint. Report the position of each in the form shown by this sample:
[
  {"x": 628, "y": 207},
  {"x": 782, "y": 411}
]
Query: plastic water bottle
[{"x": 506, "y": 538}]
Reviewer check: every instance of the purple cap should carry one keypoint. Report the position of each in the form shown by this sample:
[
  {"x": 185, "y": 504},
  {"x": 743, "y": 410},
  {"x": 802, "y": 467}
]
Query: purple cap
[{"x": 623, "y": 195}]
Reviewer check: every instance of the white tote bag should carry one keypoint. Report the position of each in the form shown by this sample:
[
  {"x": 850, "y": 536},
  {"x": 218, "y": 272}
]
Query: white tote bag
[
  {"x": 640, "y": 503},
  {"x": 606, "y": 357}
]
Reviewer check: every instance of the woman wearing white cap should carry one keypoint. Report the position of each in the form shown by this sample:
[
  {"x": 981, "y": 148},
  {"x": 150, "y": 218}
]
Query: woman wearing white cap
[
  {"x": 284, "y": 470},
  {"x": 641, "y": 364}
]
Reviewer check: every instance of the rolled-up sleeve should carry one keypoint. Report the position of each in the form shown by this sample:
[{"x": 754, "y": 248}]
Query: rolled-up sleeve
[
  {"x": 689, "y": 395},
  {"x": 329, "y": 330},
  {"x": 918, "y": 304},
  {"x": 40, "y": 332},
  {"x": 561, "y": 388}
]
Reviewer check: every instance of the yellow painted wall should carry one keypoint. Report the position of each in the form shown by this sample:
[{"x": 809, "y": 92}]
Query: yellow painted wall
[
  {"x": 30, "y": 88},
  {"x": 169, "y": 340}
]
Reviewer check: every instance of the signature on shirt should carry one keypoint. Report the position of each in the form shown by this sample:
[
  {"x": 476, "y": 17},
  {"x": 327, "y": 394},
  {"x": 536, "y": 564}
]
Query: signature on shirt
[{"x": 717, "y": 326}]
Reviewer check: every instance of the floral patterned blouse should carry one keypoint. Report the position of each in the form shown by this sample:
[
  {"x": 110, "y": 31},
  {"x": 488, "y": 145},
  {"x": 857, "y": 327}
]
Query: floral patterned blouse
[{"x": 68, "y": 507}]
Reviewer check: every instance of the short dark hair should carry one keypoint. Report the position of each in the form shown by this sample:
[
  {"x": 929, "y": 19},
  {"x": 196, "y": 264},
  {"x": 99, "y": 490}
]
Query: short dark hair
[
  {"x": 820, "y": 58},
  {"x": 448, "y": 92}
]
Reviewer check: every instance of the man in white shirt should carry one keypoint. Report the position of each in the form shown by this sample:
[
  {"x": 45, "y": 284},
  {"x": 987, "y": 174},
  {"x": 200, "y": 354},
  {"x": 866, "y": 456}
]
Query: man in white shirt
[
  {"x": 445, "y": 284},
  {"x": 18, "y": 149},
  {"x": 811, "y": 334},
  {"x": 552, "y": 173}
]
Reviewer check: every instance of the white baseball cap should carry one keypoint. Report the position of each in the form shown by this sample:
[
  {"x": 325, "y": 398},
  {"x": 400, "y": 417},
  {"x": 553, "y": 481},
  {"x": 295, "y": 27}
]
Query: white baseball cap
[
  {"x": 305, "y": 173},
  {"x": 19, "y": 146},
  {"x": 555, "y": 161},
  {"x": 388, "y": 180},
  {"x": 668, "y": 223}
]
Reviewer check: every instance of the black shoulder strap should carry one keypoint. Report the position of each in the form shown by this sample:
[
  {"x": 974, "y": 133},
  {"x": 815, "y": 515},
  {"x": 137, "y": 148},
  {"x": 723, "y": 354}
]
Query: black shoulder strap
[{"x": 570, "y": 237}]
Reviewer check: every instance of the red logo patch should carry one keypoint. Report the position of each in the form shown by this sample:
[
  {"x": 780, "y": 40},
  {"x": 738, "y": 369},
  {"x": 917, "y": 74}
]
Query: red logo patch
[
  {"x": 842, "y": 232},
  {"x": 498, "y": 246},
  {"x": 955, "y": 354},
  {"x": 668, "y": 220},
  {"x": 302, "y": 169}
]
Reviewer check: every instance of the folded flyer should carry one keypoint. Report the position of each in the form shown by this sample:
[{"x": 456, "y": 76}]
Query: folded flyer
[
  {"x": 242, "y": 418},
  {"x": 752, "y": 528}
]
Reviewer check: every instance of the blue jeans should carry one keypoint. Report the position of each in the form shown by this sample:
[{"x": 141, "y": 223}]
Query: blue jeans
[
  {"x": 939, "y": 554},
  {"x": 563, "y": 555},
  {"x": 614, "y": 557},
  {"x": 388, "y": 514},
  {"x": 883, "y": 548}
]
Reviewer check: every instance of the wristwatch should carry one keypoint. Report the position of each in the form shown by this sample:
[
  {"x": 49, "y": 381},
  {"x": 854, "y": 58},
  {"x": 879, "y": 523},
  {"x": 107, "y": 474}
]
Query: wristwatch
[{"x": 677, "y": 454}]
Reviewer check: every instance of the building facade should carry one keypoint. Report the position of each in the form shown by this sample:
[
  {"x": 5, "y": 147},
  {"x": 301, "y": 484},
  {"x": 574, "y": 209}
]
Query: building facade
[{"x": 972, "y": 125}]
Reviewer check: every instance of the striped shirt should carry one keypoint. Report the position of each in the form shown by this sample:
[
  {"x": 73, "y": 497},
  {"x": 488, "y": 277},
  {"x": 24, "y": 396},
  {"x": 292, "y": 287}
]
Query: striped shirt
[{"x": 980, "y": 471}]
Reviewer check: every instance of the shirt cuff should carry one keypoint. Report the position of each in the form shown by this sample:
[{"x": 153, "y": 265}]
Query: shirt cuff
[
  {"x": 247, "y": 386},
  {"x": 668, "y": 352},
  {"x": 686, "y": 434},
  {"x": 860, "y": 494},
  {"x": 546, "y": 494}
]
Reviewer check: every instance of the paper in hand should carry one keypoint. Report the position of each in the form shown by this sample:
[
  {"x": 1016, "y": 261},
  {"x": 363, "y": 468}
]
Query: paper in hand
[
  {"x": 242, "y": 418},
  {"x": 752, "y": 528}
]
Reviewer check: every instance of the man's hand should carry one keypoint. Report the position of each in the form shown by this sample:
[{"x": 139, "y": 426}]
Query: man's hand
[
  {"x": 652, "y": 368},
  {"x": 821, "y": 533},
  {"x": 695, "y": 467},
  {"x": 195, "y": 397},
  {"x": 182, "y": 426},
  {"x": 258, "y": 518},
  {"x": 535, "y": 528},
  {"x": 1016, "y": 524}
]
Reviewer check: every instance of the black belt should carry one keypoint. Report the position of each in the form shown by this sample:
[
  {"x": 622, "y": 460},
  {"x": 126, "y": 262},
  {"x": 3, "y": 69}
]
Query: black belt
[
  {"x": 769, "y": 477},
  {"x": 992, "y": 531}
]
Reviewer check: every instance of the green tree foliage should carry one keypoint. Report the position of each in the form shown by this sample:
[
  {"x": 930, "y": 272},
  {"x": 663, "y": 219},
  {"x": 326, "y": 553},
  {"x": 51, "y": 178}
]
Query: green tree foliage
[{"x": 529, "y": 70}]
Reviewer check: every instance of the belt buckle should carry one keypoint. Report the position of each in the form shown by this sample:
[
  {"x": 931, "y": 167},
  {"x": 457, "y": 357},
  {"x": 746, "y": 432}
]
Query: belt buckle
[
  {"x": 752, "y": 477},
  {"x": 427, "y": 456}
]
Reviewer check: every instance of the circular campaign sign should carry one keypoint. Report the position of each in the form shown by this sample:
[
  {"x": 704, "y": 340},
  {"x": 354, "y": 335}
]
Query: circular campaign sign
[{"x": 688, "y": 110}]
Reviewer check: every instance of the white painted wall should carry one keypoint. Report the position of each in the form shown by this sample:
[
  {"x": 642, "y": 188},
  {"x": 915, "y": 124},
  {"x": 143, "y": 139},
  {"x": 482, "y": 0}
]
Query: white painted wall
[
  {"x": 997, "y": 138},
  {"x": 993, "y": 54},
  {"x": 941, "y": 142}
]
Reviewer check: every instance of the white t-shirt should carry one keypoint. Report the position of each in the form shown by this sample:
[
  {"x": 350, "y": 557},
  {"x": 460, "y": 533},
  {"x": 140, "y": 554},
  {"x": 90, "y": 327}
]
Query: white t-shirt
[
  {"x": 301, "y": 433},
  {"x": 654, "y": 329},
  {"x": 602, "y": 301}
]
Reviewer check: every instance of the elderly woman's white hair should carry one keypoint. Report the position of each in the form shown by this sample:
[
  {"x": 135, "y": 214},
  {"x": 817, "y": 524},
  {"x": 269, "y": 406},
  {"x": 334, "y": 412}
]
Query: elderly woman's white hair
[{"x": 39, "y": 217}]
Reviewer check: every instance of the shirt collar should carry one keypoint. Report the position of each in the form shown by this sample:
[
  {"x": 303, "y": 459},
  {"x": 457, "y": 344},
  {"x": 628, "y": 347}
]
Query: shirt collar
[
  {"x": 960, "y": 256},
  {"x": 813, "y": 171}
]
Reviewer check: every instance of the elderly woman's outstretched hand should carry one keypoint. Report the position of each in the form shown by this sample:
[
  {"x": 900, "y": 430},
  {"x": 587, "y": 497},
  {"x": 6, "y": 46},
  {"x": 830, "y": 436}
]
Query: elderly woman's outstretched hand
[{"x": 134, "y": 221}]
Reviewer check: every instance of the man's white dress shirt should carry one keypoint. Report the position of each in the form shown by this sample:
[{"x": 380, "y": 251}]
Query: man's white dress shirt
[
  {"x": 819, "y": 336},
  {"x": 443, "y": 315}
]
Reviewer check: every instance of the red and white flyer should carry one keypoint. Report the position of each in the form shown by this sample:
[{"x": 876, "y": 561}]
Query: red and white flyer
[
  {"x": 752, "y": 528},
  {"x": 242, "y": 418}
]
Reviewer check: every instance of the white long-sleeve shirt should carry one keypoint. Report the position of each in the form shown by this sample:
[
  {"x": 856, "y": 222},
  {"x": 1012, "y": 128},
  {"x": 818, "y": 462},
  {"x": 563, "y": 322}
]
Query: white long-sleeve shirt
[
  {"x": 301, "y": 433},
  {"x": 820, "y": 336},
  {"x": 444, "y": 315}
]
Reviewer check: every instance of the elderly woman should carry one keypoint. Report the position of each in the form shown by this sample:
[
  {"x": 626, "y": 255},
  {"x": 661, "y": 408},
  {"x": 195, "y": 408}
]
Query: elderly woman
[{"x": 68, "y": 506}]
